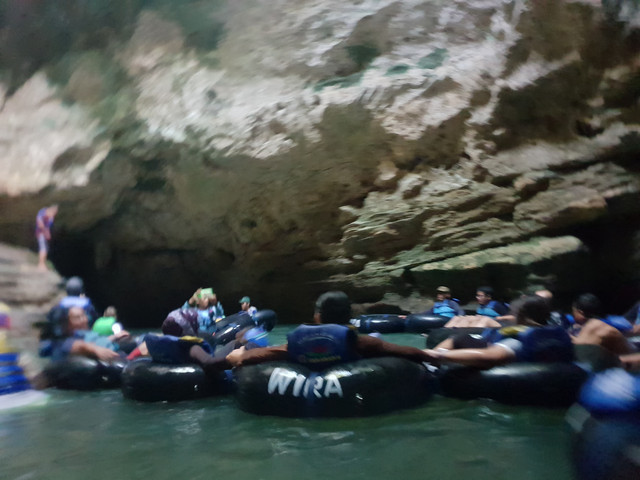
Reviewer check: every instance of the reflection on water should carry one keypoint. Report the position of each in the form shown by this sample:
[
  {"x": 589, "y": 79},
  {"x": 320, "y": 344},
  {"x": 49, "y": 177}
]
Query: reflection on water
[{"x": 99, "y": 435}]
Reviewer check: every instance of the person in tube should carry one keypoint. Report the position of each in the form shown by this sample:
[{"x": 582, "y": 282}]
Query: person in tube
[
  {"x": 529, "y": 341},
  {"x": 488, "y": 314},
  {"x": 444, "y": 305},
  {"x": 331, "y": 338},
  {"x": 77, "y": 339}
]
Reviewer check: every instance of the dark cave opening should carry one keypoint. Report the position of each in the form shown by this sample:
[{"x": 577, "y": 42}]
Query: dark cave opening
[
  {"x": 145, "y": 286},
  {"x": 613, "y": 243},
  {"x": 139, "y": 304}
]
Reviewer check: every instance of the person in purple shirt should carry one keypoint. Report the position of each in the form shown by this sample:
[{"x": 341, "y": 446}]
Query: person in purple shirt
[{"x": 44, "y": 221}]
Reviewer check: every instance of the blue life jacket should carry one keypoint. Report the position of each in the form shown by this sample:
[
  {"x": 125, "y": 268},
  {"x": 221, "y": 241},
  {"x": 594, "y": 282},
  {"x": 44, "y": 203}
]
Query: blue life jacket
[
  {"x": 257, "y": 337},
  {"x": 613, "y": 392},
  {"x": 542, "y": 344},
  {"x": 559, "y": 319},
  {"x": 618, "y": 322},
  {"x": 321, "y": 346},
  {"x": 444, "y": 309},
  {"x": 206, "y": 324},
  {"x": 488, "y": 309}
]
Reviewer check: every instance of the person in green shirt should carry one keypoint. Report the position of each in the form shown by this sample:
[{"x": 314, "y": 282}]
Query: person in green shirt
[{"x": 108, "y": 323}]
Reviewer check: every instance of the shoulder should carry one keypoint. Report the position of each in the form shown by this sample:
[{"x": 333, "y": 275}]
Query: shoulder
[
  {"x": 595, "y": 325},
  {"x": 513, "y": 346}
]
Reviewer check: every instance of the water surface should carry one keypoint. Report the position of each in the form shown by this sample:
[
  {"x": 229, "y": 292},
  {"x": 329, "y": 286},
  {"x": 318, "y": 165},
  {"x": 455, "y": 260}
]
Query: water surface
[{"x": 100, "y": 435}]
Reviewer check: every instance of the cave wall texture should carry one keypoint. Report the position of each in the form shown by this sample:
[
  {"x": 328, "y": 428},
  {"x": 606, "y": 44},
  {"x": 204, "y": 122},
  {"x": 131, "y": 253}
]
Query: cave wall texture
[{"x": 282, "y": 148}]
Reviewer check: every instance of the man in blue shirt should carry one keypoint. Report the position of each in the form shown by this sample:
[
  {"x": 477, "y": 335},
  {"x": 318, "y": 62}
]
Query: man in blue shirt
[
  {"x": 488, "y": 314},
  {"x": 78, "y": 339},
  {"x": 529, "y": 341}
]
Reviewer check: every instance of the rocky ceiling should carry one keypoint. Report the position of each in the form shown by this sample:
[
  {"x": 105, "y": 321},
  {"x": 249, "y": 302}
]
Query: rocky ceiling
[{"x": 282, "y": 148}]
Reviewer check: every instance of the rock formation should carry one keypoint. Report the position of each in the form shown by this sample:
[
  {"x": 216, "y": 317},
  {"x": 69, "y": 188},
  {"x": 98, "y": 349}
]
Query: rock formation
[
  {"x": 27, "y": 294},
  {"x": 282, "y": 148}
]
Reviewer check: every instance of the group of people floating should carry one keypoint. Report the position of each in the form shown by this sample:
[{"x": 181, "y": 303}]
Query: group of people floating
[
  {"x": 587, "y": 324},
  {"x": 73, "y": 329},
  {"x": 525, "y": 331}
]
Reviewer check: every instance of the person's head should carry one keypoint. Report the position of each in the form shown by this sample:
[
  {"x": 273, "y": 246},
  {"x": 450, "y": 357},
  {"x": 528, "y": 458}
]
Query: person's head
[
  {"x": 544, "y": 294},
  {"x": 585, "y": 307},
  {"x": 532, "y": 310},
  {"x": 266, "y": 319},
  {"x": 110, "y": 312},
  {"x": 52, "y": 210},
  {"x": 171, "y": 327},
  {"x": 442, "y": 293},
  {"x": 245, "y": 303},
  {"x": 76, "y": 320},
  {"x": 333, "y": 307},
  {"x": 484, "y": 295},
  {"x": 206, "y": 298},
  {"x": 203, "y": 303},
  {"x": 74, "y": 287}
]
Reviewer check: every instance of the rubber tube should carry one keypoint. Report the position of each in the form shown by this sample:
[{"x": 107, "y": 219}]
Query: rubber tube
[
  {"x": 361, "y": 388},
  {"x": 148, "y": 381}
]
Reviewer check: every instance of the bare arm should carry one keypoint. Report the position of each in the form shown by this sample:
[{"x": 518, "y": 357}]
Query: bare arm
[
  {"x": 241, "y": 357},
  {"x": 472, "y": 321},
  {"x": 446, "y": 344},
  {"x": 42, "y": 228},
  {"x": 119, "y": 336},
  {"x": 369, "y": 347},
  {"x": 480, "y": 358},
  {"x": 596, "y": 332},
  {"x": 40, "y": 224},
  {"x": 631, "y": 362},
  {"x": 507, "y": 318},
  {"x": 86, "y": 349}
]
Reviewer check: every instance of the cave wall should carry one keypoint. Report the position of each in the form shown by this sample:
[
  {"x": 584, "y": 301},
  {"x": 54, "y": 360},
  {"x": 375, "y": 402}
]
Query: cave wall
[{"x": 279, "y": 149}]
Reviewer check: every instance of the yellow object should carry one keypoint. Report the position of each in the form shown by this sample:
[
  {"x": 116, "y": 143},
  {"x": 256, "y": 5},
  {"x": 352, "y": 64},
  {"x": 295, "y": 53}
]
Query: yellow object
[
  {"x": 513, "y": 330},
  {"x": 192, "y": 339},
  {"x": 4, "y": 344}
]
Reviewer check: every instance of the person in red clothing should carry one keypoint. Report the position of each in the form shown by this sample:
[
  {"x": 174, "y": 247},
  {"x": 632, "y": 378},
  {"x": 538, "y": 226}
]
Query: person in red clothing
[
  {"x": 44, "y": 221},
  {"x": 340, "y": 341}
]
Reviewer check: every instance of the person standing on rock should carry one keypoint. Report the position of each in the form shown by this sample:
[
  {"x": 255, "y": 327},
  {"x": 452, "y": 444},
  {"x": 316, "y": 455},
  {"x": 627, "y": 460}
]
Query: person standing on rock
[{"x": 44, "y": 221}]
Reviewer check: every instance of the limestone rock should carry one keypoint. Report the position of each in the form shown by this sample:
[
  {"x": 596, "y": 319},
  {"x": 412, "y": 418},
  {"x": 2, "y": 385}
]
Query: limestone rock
[
  {"x": 281, "y": 149},
  {"x": 510, "y": 268},
  {"x": 30, "y": 294}
]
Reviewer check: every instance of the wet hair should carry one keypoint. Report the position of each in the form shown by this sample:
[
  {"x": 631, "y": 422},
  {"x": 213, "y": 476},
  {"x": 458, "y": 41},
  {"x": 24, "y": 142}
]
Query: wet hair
[
  {"x": 334, "y": 307},
  {"x": 589, "y": 304},
  {"x": 171, "y": 327},
  {"x": 534, "y": 308},
  {"x": 74, "y": 286},
  {"x": 57, "y": 322},
  {"x": 488, "y": 291}
]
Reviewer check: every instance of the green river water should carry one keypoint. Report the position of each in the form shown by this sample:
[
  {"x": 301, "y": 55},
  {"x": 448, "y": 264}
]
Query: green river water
[{"x": 100, "y": 435}]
